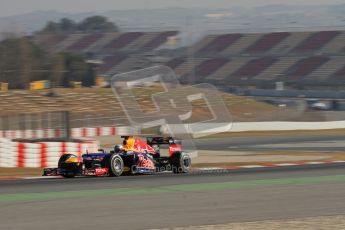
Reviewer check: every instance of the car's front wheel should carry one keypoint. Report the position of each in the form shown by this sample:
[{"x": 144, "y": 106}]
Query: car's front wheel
[{"x": 69, "y": 169}]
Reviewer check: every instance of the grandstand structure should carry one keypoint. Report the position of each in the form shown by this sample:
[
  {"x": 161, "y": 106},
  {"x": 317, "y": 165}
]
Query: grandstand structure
[
  {"x": 118, "y": 51},
  {"x": 257, "y": 59},
  {"x": 261, "y": 59},
  {"x": 104, "y": 43}
]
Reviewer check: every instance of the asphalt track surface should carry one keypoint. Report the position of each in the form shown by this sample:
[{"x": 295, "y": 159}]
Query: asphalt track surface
[{"x": 168, "y": 200}]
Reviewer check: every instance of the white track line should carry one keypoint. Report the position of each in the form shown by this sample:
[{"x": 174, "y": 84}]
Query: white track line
[{"x": 40, "y": 177}]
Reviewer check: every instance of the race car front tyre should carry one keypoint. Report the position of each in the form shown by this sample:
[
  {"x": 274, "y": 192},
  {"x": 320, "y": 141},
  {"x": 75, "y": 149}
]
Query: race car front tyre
[
  {"x": 181, "y": 162},
  {"x": 116, "y": 165},
  {"x": 68, "y": 170},
  {"x": 68, "y": 175}
]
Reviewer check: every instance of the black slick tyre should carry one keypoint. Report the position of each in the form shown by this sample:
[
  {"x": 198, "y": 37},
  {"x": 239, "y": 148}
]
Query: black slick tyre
[
  {"x": 116, "y": 165},
  {"x": 69, "y": 170},
  {"x": 181, "y": 162}
]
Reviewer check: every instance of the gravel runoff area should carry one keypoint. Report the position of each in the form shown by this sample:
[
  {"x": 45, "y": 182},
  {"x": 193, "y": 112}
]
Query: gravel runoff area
[{"x": 310, "y": 223}]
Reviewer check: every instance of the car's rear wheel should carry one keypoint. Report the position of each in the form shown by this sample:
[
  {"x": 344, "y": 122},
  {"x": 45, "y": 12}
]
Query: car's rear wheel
[
  {"x": 116, "y": 165},
  {"x": 181, "y": 162}
]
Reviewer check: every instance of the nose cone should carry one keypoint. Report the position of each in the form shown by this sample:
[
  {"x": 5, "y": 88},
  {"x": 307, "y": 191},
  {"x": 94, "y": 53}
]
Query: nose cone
[{"x": 72, "y": 160}]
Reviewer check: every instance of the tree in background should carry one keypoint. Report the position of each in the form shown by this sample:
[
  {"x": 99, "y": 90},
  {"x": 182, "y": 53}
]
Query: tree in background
[
  {"x": 88, "y": 25},
  {"x": 97, "y": 24},
  {"x": 51, "y": 27},
  {"x": 89, "y": 79},
  {"x": 68, "y": 25},
  {"x": 77, "y": 69},
  {"x": 57, "y": 70},
  {"x": 25, "y": 61},
  {"x": 21, "y": 62},
  {"x": 64, "y": 25}
]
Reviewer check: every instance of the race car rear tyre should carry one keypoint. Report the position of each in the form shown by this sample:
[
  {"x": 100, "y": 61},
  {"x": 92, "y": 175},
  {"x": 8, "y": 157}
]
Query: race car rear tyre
[
  {"x": 69, "y": 170},
  {"x": 116, "y": 165},
  {"x": 181, "y": 162}
]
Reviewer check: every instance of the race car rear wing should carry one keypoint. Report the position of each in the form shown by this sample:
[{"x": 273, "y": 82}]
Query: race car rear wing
[
  {"x": 162, "y": 141},
  {"x": 174, "y": 145}
]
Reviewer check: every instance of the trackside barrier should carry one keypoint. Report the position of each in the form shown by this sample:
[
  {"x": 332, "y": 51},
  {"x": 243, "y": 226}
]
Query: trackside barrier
[
  {"x": 286, "y": 125},
  {"x": 191, "y": 128},
  {"x": 31, "y": 134},
  {"x": 75, "y": 132},
  {"x": 42, "y": 154},
  {"x": 256, "y": 126}
]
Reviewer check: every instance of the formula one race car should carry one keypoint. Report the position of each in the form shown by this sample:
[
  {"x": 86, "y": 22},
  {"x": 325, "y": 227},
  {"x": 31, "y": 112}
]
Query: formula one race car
[{"x": 139, "y": 158}]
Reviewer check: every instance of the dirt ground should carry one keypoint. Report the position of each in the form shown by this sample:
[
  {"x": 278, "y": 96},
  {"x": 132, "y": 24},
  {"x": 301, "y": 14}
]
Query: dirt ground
[
  {"x": 311, "y": 223},
  {"x": 19, "y": 172}
]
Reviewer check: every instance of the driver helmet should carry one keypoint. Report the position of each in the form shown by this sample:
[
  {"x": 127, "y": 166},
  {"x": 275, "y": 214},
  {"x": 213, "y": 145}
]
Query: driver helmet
[{"x": 118, "y": 148}]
